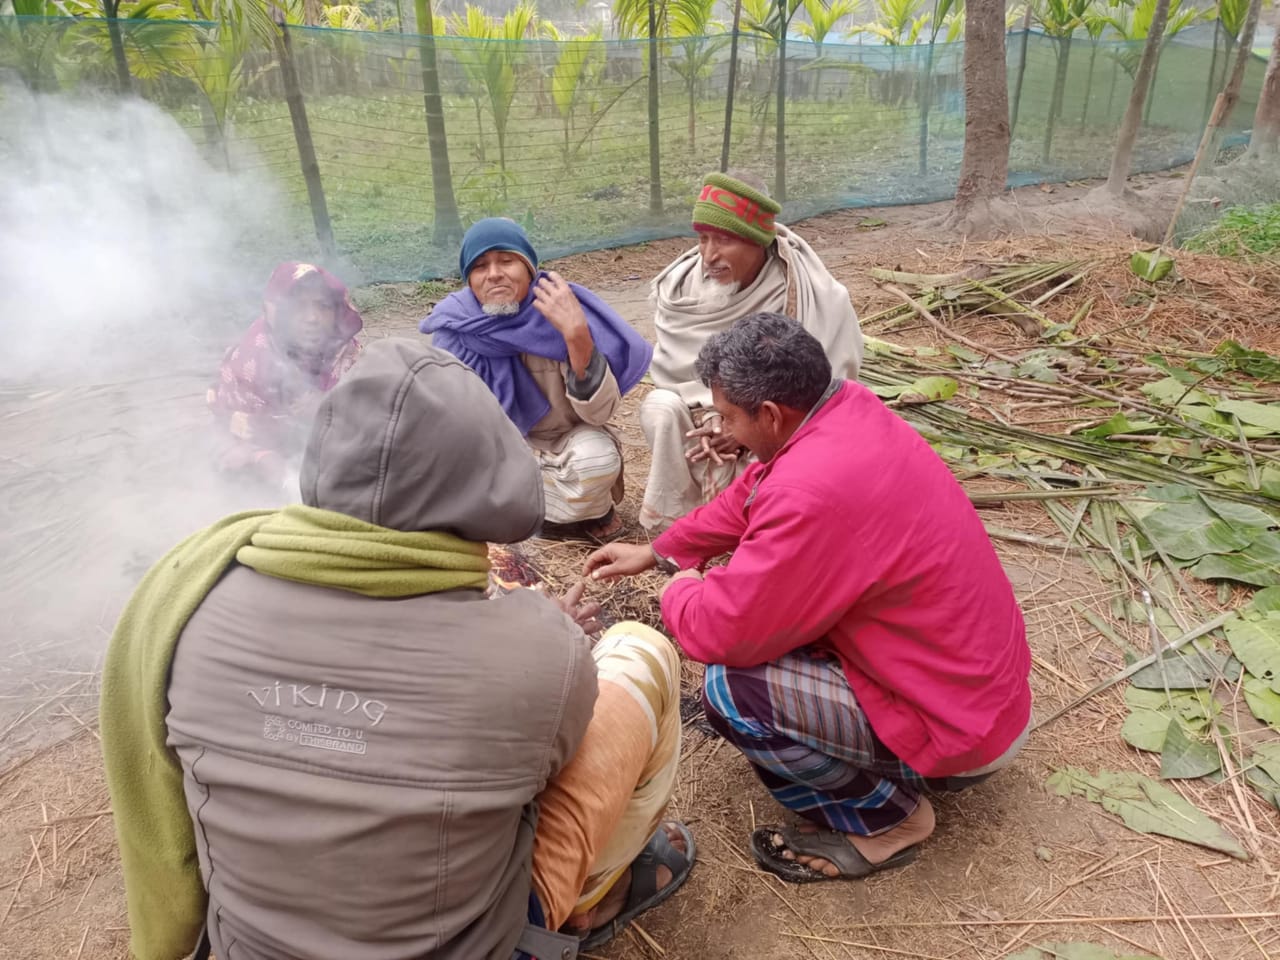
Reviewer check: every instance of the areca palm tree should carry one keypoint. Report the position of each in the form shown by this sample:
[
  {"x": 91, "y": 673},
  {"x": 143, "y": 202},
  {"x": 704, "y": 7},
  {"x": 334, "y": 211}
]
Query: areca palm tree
[
  {"x": 1059, "y": 19},
  {"x": 1095, "y": 24},
  {"x": 822, "y": 20},
  {"x": 29, "y": 51},
  {"x": 1230, "y": 16},
  {"x": 448, "y": 225},
  {"x": 692, "y": 24},
  {"x": 576, "y": 70},
  {"x": 898, "y": 23},
  {"x": 648, "y": 18},
  {"x": 492, "y": 60},
  {"x": 772, "y": 19},
  {"x": 1133, "y": 23}
]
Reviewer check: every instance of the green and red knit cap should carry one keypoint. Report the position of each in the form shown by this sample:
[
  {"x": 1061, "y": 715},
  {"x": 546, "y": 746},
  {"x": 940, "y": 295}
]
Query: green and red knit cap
[{"x": 730, "y": 206}]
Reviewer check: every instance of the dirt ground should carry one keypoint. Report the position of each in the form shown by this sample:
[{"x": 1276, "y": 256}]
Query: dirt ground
[{"x": 1010, "y": 866}]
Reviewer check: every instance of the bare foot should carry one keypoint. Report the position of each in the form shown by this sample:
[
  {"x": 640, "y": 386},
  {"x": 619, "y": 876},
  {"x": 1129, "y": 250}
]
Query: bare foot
[
  {"x": 911, "y": 831},
  {"x": 580, "y": 924}
]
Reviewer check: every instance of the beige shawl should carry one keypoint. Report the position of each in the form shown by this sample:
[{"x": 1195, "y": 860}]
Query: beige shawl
[{"x": 793, "y": 281}]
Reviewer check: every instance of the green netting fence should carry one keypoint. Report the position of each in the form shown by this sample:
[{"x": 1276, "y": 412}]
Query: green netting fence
[{"x": 556, "y": 134}]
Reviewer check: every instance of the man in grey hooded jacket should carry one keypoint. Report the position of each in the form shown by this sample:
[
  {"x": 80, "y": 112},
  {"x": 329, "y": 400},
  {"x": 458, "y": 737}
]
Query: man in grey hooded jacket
[{"x": 378, "y": 761}]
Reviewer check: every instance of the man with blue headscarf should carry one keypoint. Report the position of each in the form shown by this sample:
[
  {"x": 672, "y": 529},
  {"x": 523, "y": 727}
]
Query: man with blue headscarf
[{"x": 558, "y": 358}]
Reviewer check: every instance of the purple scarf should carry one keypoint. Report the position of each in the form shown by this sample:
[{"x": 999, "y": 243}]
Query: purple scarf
[{"x": 491, "y": 346}]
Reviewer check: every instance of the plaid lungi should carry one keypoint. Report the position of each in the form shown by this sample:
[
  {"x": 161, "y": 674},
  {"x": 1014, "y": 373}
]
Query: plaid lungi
[{"x": 797, "y": 721}]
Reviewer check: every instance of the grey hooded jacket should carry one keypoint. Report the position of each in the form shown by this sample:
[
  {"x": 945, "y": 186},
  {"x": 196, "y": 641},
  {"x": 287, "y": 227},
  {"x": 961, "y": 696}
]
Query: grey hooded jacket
[{"x": 363, "y": 774}]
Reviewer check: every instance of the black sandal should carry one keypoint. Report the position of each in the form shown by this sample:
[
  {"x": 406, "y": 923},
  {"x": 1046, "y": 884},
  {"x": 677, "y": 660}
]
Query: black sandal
[
  {"x": 644, "y": 893},
  {"x": 831, "y": 845}
]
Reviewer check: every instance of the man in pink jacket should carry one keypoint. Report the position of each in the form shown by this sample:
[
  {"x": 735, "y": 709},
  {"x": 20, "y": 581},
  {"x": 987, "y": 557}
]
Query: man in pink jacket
[{"x": 863, "y": 644}]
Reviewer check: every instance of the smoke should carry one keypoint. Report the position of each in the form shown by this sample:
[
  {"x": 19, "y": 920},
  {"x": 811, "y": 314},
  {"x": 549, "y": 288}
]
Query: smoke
[
  {"x": 123, "y": 277},
  {"x": 119, "y": 243}
]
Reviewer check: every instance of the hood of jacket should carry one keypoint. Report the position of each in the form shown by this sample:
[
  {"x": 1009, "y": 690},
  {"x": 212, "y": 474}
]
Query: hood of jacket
[{"x": 412, "y": 440}]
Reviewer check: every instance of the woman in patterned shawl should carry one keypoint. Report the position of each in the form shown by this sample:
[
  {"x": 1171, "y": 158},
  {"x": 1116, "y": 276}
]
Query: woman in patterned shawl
[{"x": 271, "y": 382}]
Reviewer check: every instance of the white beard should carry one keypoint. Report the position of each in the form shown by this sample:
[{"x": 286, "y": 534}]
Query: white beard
[
  {"x": 717, "y": 296},
  {"x": 500, "y": 309}
]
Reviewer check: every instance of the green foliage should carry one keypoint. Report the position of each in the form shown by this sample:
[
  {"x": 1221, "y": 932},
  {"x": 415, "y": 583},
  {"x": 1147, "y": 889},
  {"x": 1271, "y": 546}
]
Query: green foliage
[
  {"x": 823, "y": 18},
  {"x": 924, "y": 390},
  {"x": 492, "y": 63},
  {"x": 1075, "y": 951},
  {"x": 1263, "y": 772},
  {"x": 1231, "y": 15},
  {"x": 1242, "y": 232},
  {"x": 1061, "y": 18},
  {"x": 1151, "y": 265},
  {"x": 1146, "y": 806},
  {"x": 1256, "y": 643},
  {"x": 898, "y": 22},
  {"x": 1153, "y": 714},
  {"x": 1220, "y": 540},
  {"x": 1133, "y": 21}
]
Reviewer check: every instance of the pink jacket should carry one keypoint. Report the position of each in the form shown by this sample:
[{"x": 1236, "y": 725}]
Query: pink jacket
[{"x": 857, "y": 538}]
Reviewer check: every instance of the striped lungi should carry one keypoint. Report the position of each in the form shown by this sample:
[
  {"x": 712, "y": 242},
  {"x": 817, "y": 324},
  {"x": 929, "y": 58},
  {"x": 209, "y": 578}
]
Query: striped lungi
[{"x": 798, "y": 723}]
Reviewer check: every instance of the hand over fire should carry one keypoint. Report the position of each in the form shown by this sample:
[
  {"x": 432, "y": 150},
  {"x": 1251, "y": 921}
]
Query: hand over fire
[{"x": 584, "y": 614}]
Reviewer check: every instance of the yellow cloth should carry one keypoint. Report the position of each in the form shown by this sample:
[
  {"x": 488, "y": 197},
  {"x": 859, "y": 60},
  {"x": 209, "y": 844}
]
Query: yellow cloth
[{"x": 600, "y": 810}]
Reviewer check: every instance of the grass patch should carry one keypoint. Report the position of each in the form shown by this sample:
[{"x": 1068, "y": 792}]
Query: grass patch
[{"x": 1252, "y": 231}]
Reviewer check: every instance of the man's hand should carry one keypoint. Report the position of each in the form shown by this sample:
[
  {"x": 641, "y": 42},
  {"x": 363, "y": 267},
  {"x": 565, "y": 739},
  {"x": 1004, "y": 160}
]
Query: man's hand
[
  {"x": 619, "y": 560},
  {"x": 713, "y": 442},
  {"x": 583, "y": 614},
  {"x": 555, "y": 300}
]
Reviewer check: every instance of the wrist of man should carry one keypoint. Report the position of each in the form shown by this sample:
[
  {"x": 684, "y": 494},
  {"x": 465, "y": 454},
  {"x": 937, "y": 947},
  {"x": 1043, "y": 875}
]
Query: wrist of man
[
  {"x": 665, "y": 564},
  {"x": 580, "y": 346}
]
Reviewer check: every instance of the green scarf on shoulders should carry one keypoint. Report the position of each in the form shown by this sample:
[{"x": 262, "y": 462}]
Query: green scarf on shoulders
[{"x": 165, "y": 893}]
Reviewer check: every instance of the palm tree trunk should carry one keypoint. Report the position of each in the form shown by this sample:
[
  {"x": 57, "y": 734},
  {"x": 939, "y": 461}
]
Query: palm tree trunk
[
  {"x": 780, "y": 139},
  {"x": 1213, "y": 74},
  {"x": 690, "y": 84},
  {"x": 655, "y": 145},
  {"x": 817, "y": 80},
  {"x": 306, "y": 147},
  {"x": 733, "y": 80},
  {"x": 770, "y": 88},
  {"x": 1111, "y": 90},
  {"x": 926, "y": 96},
  {"x": 984, "y": 169},
  {"x": 1265, "y": 141},
  {"x": 1151, "y": 94},
  {"x": 1022, "y": 69},
  {"x": 448, "y": 226},
  {"x": 124, "y": 81},
  {"x": 1122, "y": 159},
  {"x": 1059, "y": 87},
  {"x": 1088, "y": 86},
  {"x": 502, "y": 158},
  {"x": 1230, "y": 95}
]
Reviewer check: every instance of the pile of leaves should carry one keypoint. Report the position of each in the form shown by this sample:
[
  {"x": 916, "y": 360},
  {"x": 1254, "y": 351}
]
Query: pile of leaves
[{"x": 1162, "y": 469}]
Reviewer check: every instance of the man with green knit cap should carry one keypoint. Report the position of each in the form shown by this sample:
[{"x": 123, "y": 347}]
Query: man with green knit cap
[{"x": 745, "y": 262}]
